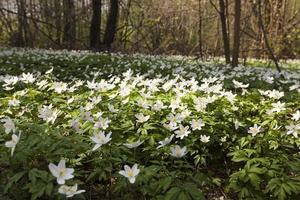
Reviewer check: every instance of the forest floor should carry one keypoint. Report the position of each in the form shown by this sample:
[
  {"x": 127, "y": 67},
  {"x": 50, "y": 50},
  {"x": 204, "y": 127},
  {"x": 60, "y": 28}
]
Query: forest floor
[{"x": 146, "y": 127}]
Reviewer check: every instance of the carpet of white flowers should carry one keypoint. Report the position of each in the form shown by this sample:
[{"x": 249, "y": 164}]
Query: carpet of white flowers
[{"x": 109, "y": 126}]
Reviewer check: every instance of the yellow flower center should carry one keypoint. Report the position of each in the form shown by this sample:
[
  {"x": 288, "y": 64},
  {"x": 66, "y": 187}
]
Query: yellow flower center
[
  {"x": 62, "y": 172},
  {"x": 130, "y": 173}
]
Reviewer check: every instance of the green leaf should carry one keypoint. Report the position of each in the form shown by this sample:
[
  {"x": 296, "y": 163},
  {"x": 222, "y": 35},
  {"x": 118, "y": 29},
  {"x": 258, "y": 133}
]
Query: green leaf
[
  {"x": 183, "y": 196},
  {"x": 254, "y": 180},
  {"x": 173, "y": 193},
  {"x": 257, "y": 170},
  {"x": 193, "y": 191},
  {"x": 165, "y": 183},
  {"x": 13, "y": 180}
]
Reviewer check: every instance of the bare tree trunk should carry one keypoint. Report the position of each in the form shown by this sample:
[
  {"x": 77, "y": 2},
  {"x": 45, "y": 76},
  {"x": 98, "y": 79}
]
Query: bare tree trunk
[
  {"x": 21, "y": 34},
  {"x": 111, "y": 26},
  {"x": 126, "y": 24},
  {"x": 95, "y": 27},
  {"x": 265, "y": 36},
  {"x": 200, "y": 30},
  {"x": 236, "y": 37},
  {"x": 225, "y": 36},
  {"x": 57, "y": 5},
  {"x": 69, "y": 36}
]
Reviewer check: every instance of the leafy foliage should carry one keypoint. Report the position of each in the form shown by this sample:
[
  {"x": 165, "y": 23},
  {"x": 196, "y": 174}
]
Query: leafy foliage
[{"x": 209, "y": 133}]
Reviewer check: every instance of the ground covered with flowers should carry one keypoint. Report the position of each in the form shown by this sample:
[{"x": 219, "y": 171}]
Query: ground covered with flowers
[{"x": 108, "y": 126}]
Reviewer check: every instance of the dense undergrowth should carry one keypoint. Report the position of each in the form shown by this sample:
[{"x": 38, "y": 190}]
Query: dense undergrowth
[{"x": 109, "y": 126}]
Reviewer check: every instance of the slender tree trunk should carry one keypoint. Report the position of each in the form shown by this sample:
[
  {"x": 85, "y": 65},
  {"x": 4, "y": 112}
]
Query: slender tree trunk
[
  {"x": 111, "y": 26},
  {"x": 236, "y": 37},
  {"x": 126, "y": 32},
  {"x": 95, "y": 27},
  {"x": 57, "y": 11},
  {"x": 21, "y": 34},
  {"x": 69, "y": 36},
  {"x": 225, "y": 36},
  {"x": 200, "y": 30},
  {"x": 265, "y": 36}
]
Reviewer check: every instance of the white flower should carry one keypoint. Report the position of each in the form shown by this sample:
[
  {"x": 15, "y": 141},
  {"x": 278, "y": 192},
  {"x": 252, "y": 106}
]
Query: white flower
[
  {"x": 204, "y": 138},
  {"x": 174, "y": 104},
  {"x": 239, "y": 84},
  {"x": 237, "y": 124},
  {"x": 86, "y": 115},
  {"x": 112, "y": 109},
  {"x": 100, "y": 139},
  {"x": 185, "y": 113},
  {"x": 42, "y": 84},
  {"x": 130, "y": 172},
  {"x": 175, "y": 119},
  {"x": 293, "y": 129},
  {"x": 278, "y": 107},
  {"x": 10, "y": 80},
  {"x": 182, "y": 132},
  {"x": 134, "y": 144},
  {"x": 49, "y": 71},
  {"x": 168, "y": 85},
  {"x": 142, "y": 103},
  {"x": 296, "y": 115},
  {"x": 141, "y": 118},
  {"x": 254, "y": 130},
  {"x": 171, "y": 126},
  {"x": 165, "y": 141},
  {"x": 229, "y": 96},
  {"x": 75, "y": 124},
  {"x": 27, "y": 78},
  {"x": 124, "y": 91},
  {"x": 13, "y": 102},
  {"x": 223, "y": 139},
  {"x": 13, "y": 142},
  {"x": 92, "y": 85},
  {"x": 89, "y": 106},
  {"x": 275, "y": 94},
  {"x": 197, "y": 124},
  {"x": 95, "y": 100},
  {"x": 59, "y": 87},
  {"x": 9, "y": 125},
  {"x": 69, "y": 191},
  {"x": 21, "y": 92},
  {"x": 158, "y": 106},
  {"x": 102, "y": 123},
  {"x": 48, "y": 114},
  {"x": 178, "y": 152},
  {"x": 61, "y": 172},
  {"x": 200, "y": 104}
]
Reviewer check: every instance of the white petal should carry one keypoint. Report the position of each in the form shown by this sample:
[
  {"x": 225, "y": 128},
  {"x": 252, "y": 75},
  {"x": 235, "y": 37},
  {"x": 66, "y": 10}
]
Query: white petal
[
  {"x": 60, "y": 180},
  {"x": 80, "y": 191},
  {"x": 123, "y": 173},
  {"x": 131, "y": 179},
  {"x": 127, "y": 168},
  {"x": 53, "y": 169},
  {"x": 15, "y": 138},
  {"x": 70, "y": 171},
  {"x": 134, "y": 167},
  {"x": 62, "y": 164},
  {"x": 136, "y": 172},
  {"x": 96, "y": 147},
  {"x": 9, "y": 144},
  {"x": 70, "y": 195},
  {"x": 94, "y": 139}
]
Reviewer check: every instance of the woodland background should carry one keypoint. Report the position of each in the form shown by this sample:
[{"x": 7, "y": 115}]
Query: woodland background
[{"x": 205, "y": 28}]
